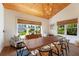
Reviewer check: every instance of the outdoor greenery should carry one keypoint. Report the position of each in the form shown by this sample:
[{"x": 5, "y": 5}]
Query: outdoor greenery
[
  {"x": 72, "y": 29},
  {"x": 28, "y": 29},
  {"x": 61, "y": 29},
  {"x": 23, "y": 32}
]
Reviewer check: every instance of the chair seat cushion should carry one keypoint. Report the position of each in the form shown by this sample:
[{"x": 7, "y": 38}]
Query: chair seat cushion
[{"x": 45, "y": 48}]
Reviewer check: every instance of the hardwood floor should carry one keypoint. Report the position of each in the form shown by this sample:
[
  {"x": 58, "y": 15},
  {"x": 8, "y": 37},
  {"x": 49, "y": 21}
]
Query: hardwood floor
[{"x": 10, "y": 51}]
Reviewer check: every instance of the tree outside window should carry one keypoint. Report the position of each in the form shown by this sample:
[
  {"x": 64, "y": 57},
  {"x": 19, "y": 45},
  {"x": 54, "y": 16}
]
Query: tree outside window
[
  {"x": 28, "y": 29},
  {"x": 60, "y": 29},
  {"x": 71, "y": 29}
]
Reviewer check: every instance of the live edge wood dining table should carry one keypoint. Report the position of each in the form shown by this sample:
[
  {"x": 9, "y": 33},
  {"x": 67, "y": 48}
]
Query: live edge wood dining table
[{"x": 33, "y": 44}]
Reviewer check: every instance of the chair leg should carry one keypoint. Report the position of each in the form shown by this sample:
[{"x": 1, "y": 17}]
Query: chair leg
[
  {"x": 50, "y": 52},
  {"x": 40, "y": 53},
  {"x": 66, "y": 51},
  {"x": 57, "y": 50},
  {"x": 62, "y": 52},
  {"x": 68, "y": 48}
]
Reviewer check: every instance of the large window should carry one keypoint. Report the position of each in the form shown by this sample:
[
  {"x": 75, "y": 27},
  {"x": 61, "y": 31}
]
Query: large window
[
  {"x": 67, "y": 27},
  {"x": 28, "y": 29},
  {"x": 60, "y": 29},
  {"x": 71, "y": 29}
]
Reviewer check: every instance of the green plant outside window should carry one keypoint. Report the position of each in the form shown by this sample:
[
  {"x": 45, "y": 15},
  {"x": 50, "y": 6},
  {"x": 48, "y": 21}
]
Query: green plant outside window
[
  {"x": 71, "y": 29},
  {"x": 28, "y": 29},
  {"x": 60, "y": 29}
]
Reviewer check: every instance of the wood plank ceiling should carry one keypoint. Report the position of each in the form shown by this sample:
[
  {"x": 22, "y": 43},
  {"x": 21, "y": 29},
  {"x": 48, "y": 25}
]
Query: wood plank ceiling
[{"x": 44, "y": 10}]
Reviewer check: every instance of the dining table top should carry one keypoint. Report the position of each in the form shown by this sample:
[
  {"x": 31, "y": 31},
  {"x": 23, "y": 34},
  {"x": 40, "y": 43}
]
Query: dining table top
[{"x": 37, "y": 43}]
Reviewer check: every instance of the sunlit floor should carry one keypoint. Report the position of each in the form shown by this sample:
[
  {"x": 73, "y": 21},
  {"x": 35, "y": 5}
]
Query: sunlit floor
[{"x": 10, "y": 51}]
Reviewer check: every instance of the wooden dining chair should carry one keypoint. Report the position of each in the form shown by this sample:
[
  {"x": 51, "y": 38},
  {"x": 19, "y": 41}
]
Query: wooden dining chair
[
  {"x": 64, "y": 43},
  {"x": 23, "y": 52},
  {"x": 60, "y": 48},
  {"x": 45, "y": 51},
  {"x": 55, "y": 48},
  {"x": 51, "y": 49}
]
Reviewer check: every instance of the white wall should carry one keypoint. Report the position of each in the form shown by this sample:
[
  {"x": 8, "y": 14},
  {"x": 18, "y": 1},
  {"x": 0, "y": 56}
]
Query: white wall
[
  {"x": 11, "y": 20},
  {"x": 70, "y": 12},
  {"x": 1, "y": 26}
]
